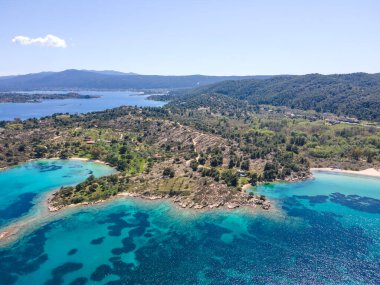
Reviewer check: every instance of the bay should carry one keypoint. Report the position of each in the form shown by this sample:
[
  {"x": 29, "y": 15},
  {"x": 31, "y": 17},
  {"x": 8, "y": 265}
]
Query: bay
[
  {"x": 107, "y": 100},
  {"x": 22, "y": 185}
]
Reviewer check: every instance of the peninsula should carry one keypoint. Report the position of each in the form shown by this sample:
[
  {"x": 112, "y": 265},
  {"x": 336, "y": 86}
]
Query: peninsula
[{"x": 15, "y": 97}]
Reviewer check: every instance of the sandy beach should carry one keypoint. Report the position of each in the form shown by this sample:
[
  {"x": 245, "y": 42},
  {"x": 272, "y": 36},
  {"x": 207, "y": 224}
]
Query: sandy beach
[
  {"x": 56, "y": 158},
  {"x": 370, "y": 172},
  {"x": 84, "y": 159}
]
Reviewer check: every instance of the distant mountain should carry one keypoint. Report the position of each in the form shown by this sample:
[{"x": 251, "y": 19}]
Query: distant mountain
[
  {"x": 110, "y": 72},
  {"x": 356, "y": 94},
  {"x": 87, "y": 79}
]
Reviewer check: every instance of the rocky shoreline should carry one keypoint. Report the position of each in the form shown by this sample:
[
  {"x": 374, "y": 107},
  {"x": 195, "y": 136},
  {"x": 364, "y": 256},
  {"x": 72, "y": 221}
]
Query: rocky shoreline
[
  {"x": 253, "y": 201},
  {"x": 185, "y": 202},
  {"x": 240, "y": 200}
]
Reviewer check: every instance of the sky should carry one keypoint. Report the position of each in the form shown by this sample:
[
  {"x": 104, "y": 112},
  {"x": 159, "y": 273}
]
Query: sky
[{"x": 179, "y": 37}]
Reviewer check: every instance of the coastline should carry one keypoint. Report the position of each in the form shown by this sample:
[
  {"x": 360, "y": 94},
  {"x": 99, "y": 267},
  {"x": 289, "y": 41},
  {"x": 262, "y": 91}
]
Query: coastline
[
  {"x": 13, "y": 232},
  {"x": 369, "y": 172},
  {"x": 57, "y": 158},
  {"x": 84, "y": 159}
]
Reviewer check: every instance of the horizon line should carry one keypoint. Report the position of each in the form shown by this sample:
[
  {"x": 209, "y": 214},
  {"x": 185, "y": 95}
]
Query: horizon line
[{"x": 131, "y": 73}]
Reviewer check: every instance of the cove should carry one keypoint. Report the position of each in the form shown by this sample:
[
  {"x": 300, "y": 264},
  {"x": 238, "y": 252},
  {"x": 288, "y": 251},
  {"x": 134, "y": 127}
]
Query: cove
[
  {"x": 324, "y": 231},
  {"x": 22, "y": 186}
]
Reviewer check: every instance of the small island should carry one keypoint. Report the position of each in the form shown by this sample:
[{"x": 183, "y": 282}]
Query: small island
[{"x": 15, "y": 97}]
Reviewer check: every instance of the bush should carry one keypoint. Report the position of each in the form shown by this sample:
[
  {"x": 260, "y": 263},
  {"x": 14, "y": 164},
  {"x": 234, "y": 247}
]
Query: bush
[{"x": 168, "y": 172}]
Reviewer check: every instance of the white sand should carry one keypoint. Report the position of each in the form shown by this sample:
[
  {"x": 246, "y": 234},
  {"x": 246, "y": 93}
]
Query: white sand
[{"x": 367, "y": 172}]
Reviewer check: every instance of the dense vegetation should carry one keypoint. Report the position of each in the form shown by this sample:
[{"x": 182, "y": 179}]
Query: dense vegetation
[
  {"x": 275, "y": 132},
  {"x": 91, "y": 190},
  {"x": 355, "y": 94}
]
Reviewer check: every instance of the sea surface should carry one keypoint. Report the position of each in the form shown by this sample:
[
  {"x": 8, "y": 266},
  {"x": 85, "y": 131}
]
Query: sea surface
[
  {"x": 108, "y": 100},
  {"x": 22, "y": 186},
  {"x": 321, "y": 231}
]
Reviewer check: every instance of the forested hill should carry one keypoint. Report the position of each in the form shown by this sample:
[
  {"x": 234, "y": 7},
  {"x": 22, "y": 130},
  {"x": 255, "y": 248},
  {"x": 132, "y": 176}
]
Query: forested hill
[
  {"x": 356, "y": 94},
  {"x": 90, "y": 79}
]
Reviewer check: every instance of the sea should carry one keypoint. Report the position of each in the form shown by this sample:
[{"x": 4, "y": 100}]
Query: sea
[
  {"x": 325, "y": 230},
  {"x": 107, "y": 100}
]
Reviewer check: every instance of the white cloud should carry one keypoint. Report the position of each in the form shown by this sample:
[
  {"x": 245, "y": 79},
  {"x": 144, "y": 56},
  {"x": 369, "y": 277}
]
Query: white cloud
[{"x": 47, "y": 41}]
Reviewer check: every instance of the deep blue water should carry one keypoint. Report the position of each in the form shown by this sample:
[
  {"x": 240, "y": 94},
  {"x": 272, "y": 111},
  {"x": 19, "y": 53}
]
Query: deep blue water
[
  {"x": 108, "y": 100},
  {"x": 324, "y": 231}
]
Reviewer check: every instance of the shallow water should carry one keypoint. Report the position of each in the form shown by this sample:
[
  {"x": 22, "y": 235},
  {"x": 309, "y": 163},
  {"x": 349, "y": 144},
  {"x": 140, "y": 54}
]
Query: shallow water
[
  {"x": 21, "y": 186},
  {"x": 317, "y": 237},
  {"x": 108, "y": 100}
]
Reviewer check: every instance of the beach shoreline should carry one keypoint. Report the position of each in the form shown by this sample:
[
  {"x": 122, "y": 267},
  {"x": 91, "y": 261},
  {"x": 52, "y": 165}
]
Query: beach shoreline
[
  {"x": 57, "y": 158},
  {"x": 369, "y": 172}
]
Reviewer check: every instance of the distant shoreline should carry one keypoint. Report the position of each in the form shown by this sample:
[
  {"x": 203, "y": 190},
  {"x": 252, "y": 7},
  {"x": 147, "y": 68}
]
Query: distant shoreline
[
  {"x": 369, "y": 172},
  {"x": 19, "y": 97}
]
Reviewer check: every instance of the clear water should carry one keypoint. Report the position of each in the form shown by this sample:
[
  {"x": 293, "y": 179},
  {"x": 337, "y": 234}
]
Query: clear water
[
  {"x": 21, "y": 186},
  {"x": 108, "y": 100},
  {"x": 315, "y": 237}
]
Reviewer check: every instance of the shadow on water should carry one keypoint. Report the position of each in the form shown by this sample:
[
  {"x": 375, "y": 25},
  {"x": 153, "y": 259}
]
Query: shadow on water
[
  {"x": 22, "y": 205},
  {"x": 320, "y": 251}
]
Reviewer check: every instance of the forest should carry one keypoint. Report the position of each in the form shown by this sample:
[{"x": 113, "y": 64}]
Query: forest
[{"x": 356, "y": 94}]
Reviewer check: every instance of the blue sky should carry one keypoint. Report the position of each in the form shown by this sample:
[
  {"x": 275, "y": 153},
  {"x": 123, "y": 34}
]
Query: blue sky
[{"x": 175, "y": 37}]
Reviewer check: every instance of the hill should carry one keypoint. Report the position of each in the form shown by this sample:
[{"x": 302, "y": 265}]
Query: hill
[
  {"x": 88, "y": 79},
  {"x": 356, "y": 94}
]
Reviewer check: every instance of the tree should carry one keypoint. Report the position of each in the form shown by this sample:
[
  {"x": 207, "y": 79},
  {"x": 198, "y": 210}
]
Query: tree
[
  {"x": 370, "y": 153},
  {"x": 65, "y": 154},
  {"x": 245, "y": 165},
  {"x": 356, "y": 153},
  {"x": 21, "y": 147},
  {"x": 90, "y": 179},
  {"x": 230, "y": 178},
  {"x": 40, "y": 151},
  {"x": 112, "y": 159},
  {"x": 202, "y": 160},
  {"x": 254, "y": 178},
  {"x": 194, "y": 165},
  {"x": 96, "y": 152},
  {"x": 123, "y": 149},
  {"x": 270, "y": 172},
  {"x": 216, "y": 158},
  {"x": 168, "y": 172}
]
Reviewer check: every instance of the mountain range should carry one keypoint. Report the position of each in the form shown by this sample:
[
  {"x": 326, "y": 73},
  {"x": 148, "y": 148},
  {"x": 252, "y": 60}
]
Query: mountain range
[{"x": 107, "y": 79}]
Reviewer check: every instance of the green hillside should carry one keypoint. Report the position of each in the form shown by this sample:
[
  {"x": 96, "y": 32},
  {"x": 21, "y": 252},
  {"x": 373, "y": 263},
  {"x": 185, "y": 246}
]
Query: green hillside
[{"x": 355, "y": 94}]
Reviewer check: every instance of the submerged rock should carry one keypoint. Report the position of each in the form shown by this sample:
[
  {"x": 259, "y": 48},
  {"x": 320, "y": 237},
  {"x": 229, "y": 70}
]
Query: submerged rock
[{"x": 266, "y": 205}]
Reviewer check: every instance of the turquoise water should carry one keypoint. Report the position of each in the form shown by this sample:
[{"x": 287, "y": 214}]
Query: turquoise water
[
  {"x": 21, "y": 186},
  {"x": 107, "y": 100},
  {"x": 323, "y": 231}
]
